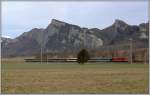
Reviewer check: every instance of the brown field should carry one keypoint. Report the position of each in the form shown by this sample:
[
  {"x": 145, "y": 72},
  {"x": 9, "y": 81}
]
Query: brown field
[{"x": 21, "y": 77}]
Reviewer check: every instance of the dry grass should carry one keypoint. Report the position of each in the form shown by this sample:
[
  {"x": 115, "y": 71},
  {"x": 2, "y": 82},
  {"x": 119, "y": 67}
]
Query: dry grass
[{"x": 74, "y": 78}]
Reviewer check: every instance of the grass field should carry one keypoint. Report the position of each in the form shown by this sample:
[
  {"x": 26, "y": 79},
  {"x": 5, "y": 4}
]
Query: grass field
[{"x": 23, "y": 77}]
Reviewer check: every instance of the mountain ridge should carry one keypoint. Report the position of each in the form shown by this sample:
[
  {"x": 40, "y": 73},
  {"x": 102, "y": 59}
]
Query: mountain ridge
[{"x": 60, "y": 36}]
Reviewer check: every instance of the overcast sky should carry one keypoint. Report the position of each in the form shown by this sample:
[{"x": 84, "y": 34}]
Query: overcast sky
[{"x": 19, "y": 17}]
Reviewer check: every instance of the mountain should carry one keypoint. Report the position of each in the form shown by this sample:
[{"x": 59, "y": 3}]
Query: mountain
[{"x": 60, "y": 37}]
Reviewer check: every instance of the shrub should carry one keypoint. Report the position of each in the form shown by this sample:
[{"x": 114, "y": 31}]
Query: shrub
[{"x": 83, "y": 56}]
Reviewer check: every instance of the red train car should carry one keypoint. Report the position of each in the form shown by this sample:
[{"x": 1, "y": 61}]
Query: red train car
[{"x": 119, "y": 59}]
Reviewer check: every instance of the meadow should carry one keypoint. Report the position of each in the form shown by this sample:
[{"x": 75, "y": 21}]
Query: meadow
[{"x": 21, "y": 77}]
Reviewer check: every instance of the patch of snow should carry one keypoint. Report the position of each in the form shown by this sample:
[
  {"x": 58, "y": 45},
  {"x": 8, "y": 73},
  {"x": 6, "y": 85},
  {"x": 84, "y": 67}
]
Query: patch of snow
[{"x": 5, "y": 36}]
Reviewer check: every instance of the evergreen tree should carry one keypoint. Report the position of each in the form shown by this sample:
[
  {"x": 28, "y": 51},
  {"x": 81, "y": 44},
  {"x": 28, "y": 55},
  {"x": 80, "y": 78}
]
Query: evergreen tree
[{"x": 83, "y": 56}]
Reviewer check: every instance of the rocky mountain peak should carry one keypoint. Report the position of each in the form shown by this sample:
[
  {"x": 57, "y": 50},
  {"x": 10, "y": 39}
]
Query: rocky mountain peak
[
  {"x": 120, "y": 23},
  {"x": 57, "y": 22},
  {"x": 32, "y": 32},
  {"x": 144, "y": 27},
  {"x": 36, "y": 29}
]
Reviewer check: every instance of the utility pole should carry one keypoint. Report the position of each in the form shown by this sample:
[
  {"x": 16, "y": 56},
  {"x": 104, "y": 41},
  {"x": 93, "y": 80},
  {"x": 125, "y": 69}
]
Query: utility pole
[
  {"x": 41, "y": 54},
  {"x": 84, "y": 40},
  {"x": 41, "y": 48},
  {"x": 83, "y": 46},
  {"x": 145, "y": 56},
  {"x": 46, "y": 56},
  {"x": 131, "y": 51}
]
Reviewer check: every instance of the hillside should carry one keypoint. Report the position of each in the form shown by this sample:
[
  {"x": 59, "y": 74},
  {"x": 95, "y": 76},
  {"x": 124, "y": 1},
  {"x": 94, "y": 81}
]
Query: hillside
[{"x": 60, "y": 37}]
